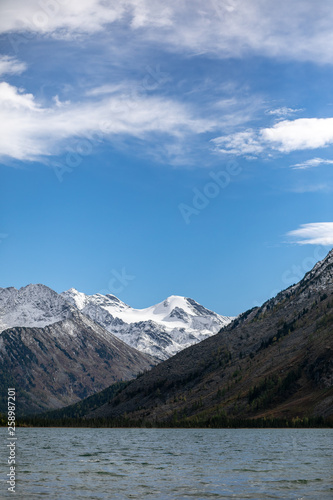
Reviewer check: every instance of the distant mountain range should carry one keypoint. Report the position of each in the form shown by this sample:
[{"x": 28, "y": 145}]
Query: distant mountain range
[
  {"x": 161, "y": 330},
  {"x": 272, "y": 361},
  {"x": 59, "y": 348}
]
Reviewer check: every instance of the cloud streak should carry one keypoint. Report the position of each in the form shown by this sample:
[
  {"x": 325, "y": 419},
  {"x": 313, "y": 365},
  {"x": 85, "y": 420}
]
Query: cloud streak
[
  {"x": 282, "y": 112},
  {"x": 240, "y": 143},
  {"x": 317, "y": 233},
  {"x": 29, "y": 131},
  {"x": 300, "y": 30},
  {"x": 11, "y": 66},
  {"x": 59, "y": 18},
  {"x": 311, "y": 163}
]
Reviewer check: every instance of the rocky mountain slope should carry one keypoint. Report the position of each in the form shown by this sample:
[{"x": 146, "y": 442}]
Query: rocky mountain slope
[
  {"x": 161, "y": 330},
  {"x": 272, "y": 361},
  {"x": 53, "y": 354},
  {"x": 31, "y": 306}
]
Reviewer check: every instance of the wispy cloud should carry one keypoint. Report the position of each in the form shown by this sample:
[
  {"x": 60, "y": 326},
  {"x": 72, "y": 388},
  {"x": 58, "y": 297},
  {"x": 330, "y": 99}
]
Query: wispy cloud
[
  {"x": 317, "y": 233},
  {"x": 282, "y": 112},
  {"x": 299, "y": 30},
  {"x": 58, "y": 17},
  {"x": 11, "y": 66},
  {"x": 106, "y": 89},
  {"x": 285, "y": 136},
  {"x": 311, "y": 188},
  {"x": 241, "y": 143},
  {"x": 313, "y": 162},
  {"x": 29, "y": 131}
]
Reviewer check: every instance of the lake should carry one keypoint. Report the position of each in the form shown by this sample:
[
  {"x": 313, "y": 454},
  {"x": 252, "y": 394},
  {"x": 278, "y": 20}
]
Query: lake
[{"x": 171, "y": 464}]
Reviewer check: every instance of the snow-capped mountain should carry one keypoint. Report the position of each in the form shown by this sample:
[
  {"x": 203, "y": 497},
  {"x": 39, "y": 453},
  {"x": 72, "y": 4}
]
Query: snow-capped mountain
[
  {"x": 160, "y": 330},
  {"x": 32, "y": 306},
  {"x": 56, "y": 355}
]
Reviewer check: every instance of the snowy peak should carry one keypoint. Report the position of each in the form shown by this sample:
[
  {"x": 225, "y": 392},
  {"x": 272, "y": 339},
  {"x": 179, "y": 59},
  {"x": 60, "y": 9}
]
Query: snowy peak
[
  {"x": 167, "y": 306},
  {"x": 185, "y": 311},
  {"x": 81, "y": 300},
  {"x": 31, "y": 306},
  {"x": 160, "y": 330},
  {"x": 172, "y": 307}
]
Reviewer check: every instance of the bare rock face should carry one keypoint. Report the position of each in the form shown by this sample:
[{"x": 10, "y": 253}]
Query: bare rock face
[{"x": 32, "y": 306}]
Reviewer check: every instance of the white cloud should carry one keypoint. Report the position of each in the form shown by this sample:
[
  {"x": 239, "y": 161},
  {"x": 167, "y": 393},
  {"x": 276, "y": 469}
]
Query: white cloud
[
  {"x": 240, "y": 143},
  {"x": 304, "y": 133},
  {"x": 65, "y": 18},
  {"x": 58, "y": 17},
  {"x": 317, "y": 233},
  {"x": 29, "y": 131},
  {"x": 283, "y": 112},
  {"x": 12, "y": 98},
  {"x": 285, "y": 136},
  {"x": 300, "y": 30},
  {"x": 313, "y": 162},
  {"x": 148, "y": 13},
  {"x": 105, "y": 89},
  {"x": 11, "y": 66},
  {"x": 294, "y": 30}
]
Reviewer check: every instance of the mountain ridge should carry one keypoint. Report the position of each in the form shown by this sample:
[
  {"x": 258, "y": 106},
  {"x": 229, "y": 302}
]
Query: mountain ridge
[
  {"x": 160, "y": 330},
  {"x": 58, "y": 355},
  {"x": 272, "y": 361},
  {"x": 34, "y": 305},
  {"x": 63, "y": 359}
]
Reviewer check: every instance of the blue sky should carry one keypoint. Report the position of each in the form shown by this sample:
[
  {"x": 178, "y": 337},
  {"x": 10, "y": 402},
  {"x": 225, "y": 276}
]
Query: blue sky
[{"x": 152, "y": 148}]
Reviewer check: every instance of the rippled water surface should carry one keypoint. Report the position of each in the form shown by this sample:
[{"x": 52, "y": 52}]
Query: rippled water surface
[{"x": 171, "y": 464}]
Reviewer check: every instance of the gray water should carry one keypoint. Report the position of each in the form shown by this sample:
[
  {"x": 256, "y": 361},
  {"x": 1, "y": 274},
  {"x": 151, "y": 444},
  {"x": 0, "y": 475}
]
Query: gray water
[{"x": 171, "y": 464}]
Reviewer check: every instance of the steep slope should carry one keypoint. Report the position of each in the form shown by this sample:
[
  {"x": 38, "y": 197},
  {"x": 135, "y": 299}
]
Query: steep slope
[
  {"x": 31, "y": 306},
  {"x": 161, "y": 330},
  {"x": 276, "y": 360},
  {"x": 64, "y": 360}
]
